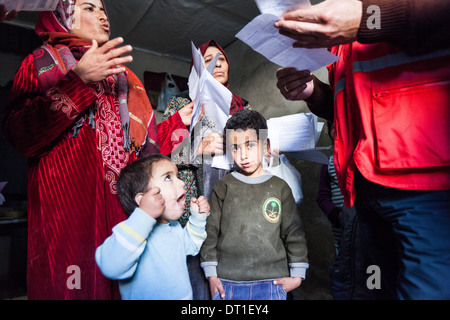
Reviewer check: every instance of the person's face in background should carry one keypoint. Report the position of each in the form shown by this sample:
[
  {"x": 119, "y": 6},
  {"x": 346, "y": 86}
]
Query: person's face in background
[
  {"x": 90, "y": 21},
  {"x": 220, "y": 72}
]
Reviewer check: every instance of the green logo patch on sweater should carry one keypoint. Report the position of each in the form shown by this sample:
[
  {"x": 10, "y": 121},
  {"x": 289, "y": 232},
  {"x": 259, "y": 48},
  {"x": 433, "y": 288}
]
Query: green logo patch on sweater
[{"x": 272, "y": 210}]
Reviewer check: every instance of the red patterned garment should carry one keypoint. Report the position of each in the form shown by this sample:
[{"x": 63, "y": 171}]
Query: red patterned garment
[{"x": 73, "y": 136}]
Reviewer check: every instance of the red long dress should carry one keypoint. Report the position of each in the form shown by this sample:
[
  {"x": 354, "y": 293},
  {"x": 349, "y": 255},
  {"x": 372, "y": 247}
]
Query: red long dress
[{"x": 71, "y": 187}]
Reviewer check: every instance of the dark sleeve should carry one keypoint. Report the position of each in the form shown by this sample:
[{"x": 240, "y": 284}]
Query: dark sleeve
[
  {"x": 292, "y": 229},
  {"x": 418, "y": 26},
  {"x": 208, "y": 252},
  {"x": 321, "y": 102},
  {"x": 324, "y": 197}
]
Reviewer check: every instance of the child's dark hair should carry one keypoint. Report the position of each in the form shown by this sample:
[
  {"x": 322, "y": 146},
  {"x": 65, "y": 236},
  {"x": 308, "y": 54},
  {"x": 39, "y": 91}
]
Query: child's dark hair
[
  {"x": 134, "y": 179},
  {"x": 247, "y": 119}
]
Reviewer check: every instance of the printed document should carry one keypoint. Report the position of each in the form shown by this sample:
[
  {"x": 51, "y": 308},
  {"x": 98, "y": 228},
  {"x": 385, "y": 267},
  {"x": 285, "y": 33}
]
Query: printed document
[
  {"x": 261, "y": 35},
  {"x": 215, "y": 98},
  {"x": 297, "y": 134},
  {"x": 205, "y": 90}
]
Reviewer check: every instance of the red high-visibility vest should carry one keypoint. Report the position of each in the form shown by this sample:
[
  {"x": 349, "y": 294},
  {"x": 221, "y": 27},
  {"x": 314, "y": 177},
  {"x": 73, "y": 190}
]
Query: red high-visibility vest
[{"x": 392, "y": 117}]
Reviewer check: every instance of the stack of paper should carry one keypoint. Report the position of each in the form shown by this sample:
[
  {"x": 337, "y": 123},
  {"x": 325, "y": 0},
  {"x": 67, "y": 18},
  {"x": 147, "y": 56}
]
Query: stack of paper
[
  {"x": 261, "y": 35},
  {"x": 205, "y": 90},
  {"x": 297, "y": 134},
  {"x": 215, "y": 98}
]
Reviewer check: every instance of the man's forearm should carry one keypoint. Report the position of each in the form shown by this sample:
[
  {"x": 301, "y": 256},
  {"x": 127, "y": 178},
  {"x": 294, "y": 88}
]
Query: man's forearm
[
  {"x": 415, "y": 25},
  {"x": 321, "y": 101}
]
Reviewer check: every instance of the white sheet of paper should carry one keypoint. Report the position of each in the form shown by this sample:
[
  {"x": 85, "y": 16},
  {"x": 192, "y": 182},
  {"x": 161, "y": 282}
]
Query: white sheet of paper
[
  {"x": 216, "y": 99},
  {"x": 278, "y": 7},
  {"x": 207, "y": 91},
  {"x": 223, "y": 161},
  {"x": 214, "y": 96},
  {"x": 261, "y": 35},
  {"x": 294, "y": 132},
  {"x": 297, "y": 134},
  {"x": 30, "y": 5}
]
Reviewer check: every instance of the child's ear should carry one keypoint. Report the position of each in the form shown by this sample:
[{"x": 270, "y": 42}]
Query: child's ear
[{"x": 138, "y": 198}]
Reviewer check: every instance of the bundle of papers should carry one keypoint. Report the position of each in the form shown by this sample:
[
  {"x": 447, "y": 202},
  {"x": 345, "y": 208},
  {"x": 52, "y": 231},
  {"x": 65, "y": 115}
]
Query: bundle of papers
[
  {"x": 261, "y": 35},
  {"x": 209, "y": 95},
  {"x": 205, "y": 90},
  {"x": 297, "y": 134},
  {"x": 30, "y": 5}
]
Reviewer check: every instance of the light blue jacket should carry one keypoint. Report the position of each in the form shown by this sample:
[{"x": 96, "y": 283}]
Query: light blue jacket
[{"x": 149, "y": 258}]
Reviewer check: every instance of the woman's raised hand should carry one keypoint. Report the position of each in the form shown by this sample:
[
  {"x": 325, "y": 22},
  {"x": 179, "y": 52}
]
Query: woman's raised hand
[
  {"x": 98, "y": 63},
  {"x": 186, "y": 113}
]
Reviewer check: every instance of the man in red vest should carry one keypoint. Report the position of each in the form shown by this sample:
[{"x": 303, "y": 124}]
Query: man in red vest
[{"x": 389, "y": 96}]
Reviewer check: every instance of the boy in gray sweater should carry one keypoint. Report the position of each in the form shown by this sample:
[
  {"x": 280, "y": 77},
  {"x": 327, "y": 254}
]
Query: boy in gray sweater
[{"x": 255, "y": 246}]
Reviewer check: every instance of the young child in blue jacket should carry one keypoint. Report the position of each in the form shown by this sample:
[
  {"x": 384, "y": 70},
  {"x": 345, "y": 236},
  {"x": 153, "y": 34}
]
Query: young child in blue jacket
[{"x": 147, "y": 252}]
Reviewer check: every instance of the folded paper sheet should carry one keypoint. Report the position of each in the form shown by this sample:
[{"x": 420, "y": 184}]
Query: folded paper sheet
[
  {"x": 261, "y": 35},
  {"x": 215, "y": 98},
  {"x": 297, "y": 135}
]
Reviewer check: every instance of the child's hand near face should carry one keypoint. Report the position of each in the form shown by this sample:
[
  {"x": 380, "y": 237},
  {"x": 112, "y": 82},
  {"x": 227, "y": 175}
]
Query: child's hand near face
[
  {"x": 200, "y": 205},
  {"x": 152, "y": 202}
]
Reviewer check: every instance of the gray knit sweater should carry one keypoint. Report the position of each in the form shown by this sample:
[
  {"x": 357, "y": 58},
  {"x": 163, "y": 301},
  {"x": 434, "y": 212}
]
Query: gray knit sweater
[{"x": 254, "y": 231}]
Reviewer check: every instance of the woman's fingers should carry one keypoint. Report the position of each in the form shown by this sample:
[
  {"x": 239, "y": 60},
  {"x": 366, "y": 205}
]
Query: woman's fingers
[
  {"x": 100, "y": 62},
  {"x": 111, "y": 44},
  {"x": 118, "y": 52}
]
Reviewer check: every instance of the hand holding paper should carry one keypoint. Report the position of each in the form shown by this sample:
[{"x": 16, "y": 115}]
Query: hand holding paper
[
  {"x": 211, "y": 99},
  {"x": 207, "y": 91},
  {"x": 261, "y": 35},
  {"x": 323, "y": 25}
]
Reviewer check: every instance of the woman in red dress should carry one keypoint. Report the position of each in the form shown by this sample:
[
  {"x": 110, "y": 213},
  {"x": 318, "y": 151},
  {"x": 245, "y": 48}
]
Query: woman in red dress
[{"x": 80, "y": 117}]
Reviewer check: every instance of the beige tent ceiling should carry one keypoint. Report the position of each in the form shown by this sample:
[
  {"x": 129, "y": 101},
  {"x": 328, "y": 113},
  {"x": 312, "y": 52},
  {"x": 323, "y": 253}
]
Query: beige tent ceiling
[{"x": 166, "y": 27}]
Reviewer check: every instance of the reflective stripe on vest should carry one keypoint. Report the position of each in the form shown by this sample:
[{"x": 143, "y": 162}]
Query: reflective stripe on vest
[
  {"x": 393, "y": 60},
  {"x": 393, "y": 112},
  {"x": 340, "y": 85}
]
